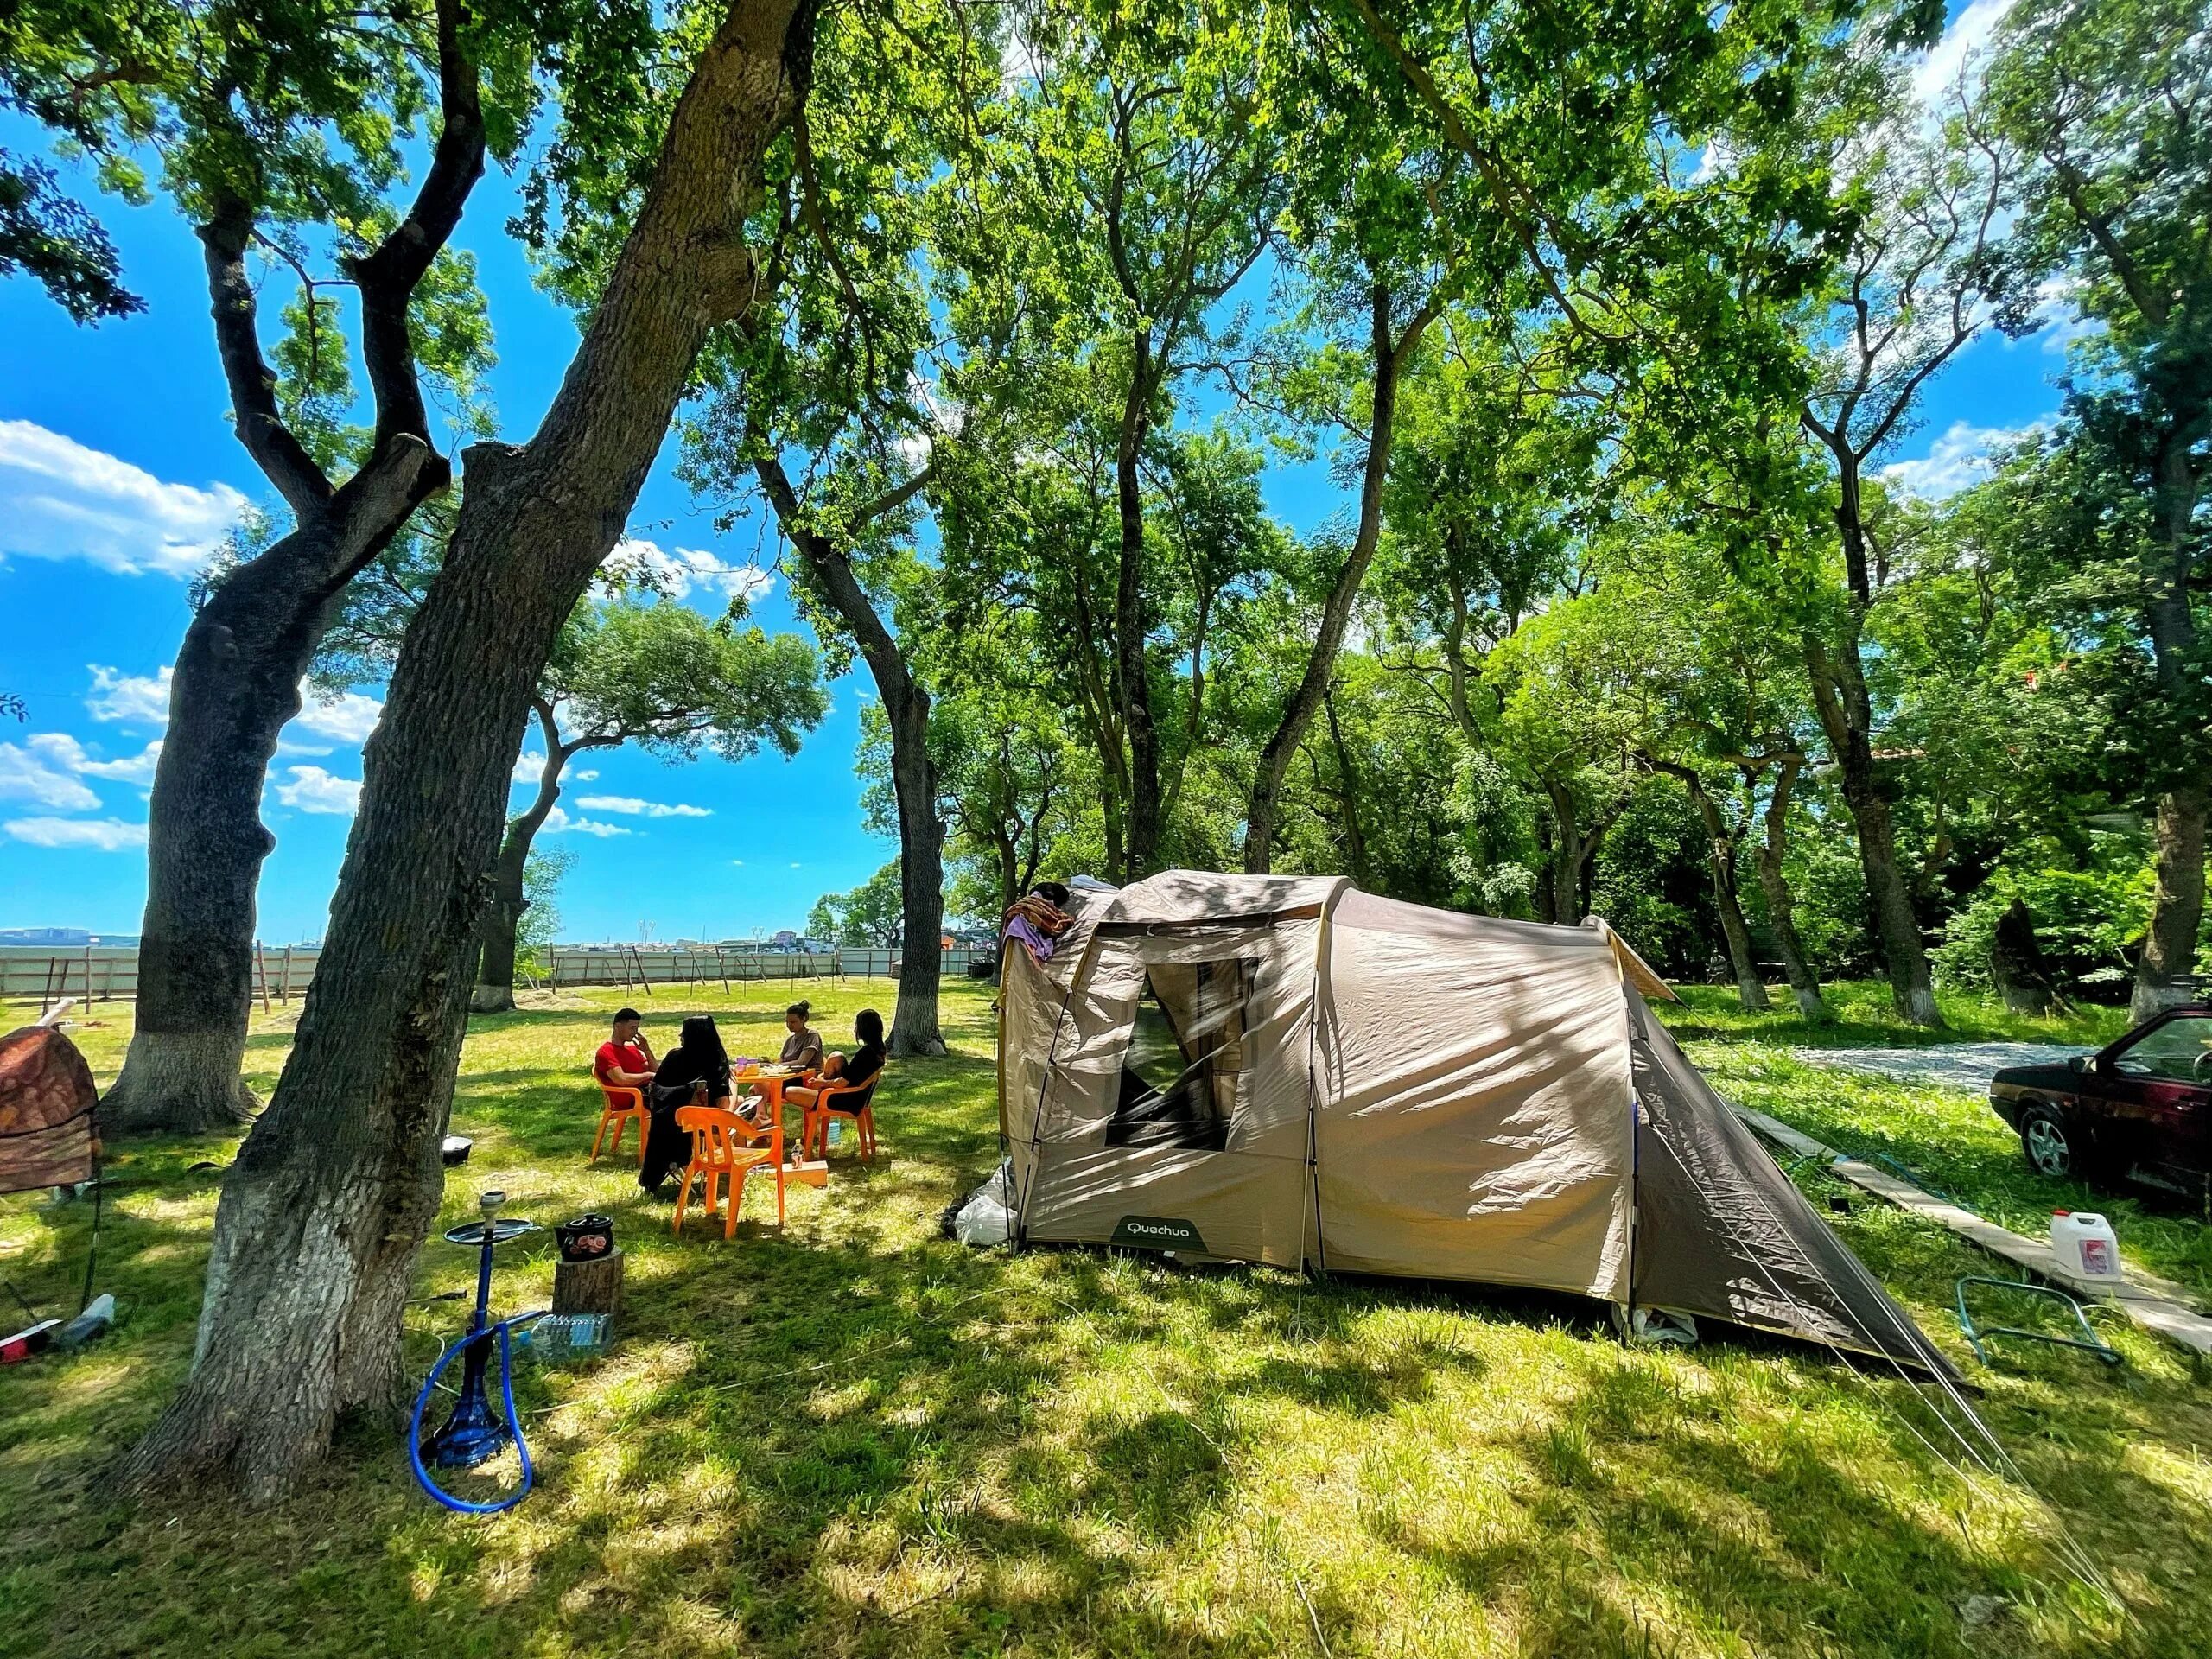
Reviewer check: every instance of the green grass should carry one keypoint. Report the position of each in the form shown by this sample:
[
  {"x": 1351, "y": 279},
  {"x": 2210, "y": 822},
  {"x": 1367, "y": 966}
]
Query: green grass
[
  {"x": 1948, "y": 1139},
  {"x": 856, "y": 1437}
]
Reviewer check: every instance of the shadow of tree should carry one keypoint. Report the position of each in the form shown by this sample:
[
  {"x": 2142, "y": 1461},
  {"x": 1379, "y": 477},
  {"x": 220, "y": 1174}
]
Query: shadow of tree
[{"x": 854, "y": 1437}]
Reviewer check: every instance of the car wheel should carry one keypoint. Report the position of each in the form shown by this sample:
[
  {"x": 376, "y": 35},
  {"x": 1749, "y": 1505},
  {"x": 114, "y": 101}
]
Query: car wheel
[{"x": 2048, "y": 1144}]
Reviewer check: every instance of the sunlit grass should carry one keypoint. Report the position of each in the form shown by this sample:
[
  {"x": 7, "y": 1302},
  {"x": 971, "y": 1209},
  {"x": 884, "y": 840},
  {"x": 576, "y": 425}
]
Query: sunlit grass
[{"x": 857, "y": 1437}]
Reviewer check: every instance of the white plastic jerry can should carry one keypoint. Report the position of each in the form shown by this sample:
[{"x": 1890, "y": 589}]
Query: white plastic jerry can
[{"x": 2084, "y": 1244}]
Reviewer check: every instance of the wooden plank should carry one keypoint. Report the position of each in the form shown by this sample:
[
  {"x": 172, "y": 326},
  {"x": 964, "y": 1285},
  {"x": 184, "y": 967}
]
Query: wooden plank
[{"x": 2156, "y": 1304}]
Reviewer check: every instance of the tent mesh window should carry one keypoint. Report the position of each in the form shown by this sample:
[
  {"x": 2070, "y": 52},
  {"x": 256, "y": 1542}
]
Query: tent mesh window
[{"x": 1184, "y": 1063}]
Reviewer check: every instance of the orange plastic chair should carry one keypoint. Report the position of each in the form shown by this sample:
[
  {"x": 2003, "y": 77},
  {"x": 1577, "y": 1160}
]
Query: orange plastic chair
[
  {"x": 720, "y": 1151},
  {"x": 814, "y": 1141},
  {"x": 624, "y": 1106}
]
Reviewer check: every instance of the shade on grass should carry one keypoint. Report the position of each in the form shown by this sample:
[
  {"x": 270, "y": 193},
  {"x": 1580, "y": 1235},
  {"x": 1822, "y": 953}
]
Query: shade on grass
[{"x": 857, "y": 1437}]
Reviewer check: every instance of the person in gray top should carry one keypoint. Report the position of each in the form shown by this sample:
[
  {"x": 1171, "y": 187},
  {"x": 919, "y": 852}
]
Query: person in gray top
[{"x": 802, "y": 1048}]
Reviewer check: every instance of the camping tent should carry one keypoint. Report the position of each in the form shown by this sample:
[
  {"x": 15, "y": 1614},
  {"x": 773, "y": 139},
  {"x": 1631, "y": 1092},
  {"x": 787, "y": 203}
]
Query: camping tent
[{"x": 1288, "y": 1070}]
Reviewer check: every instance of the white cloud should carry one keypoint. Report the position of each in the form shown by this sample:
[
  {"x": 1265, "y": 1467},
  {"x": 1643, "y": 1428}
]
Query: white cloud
[
  {"x": 1937, "y": 75},
  {"x": 313, "y": 789},
  {"x": 557, "y": 822},
  {"x": 584, "y": 777},
  {"x": 62, "y": 500},
  {"x": 349, "y": 717},
  {"x": 529, "y": 765},
  {"x": 631, "y": 806},
  {"x": 133, "y": 699},
  {"x": 1960, "y": 457},
  {"x": 108, "y": 834},
  {"x": 675, "y": 572},
  {"x": 39, "y": 772},
  {"x": 133, "y": 769},
  {"x": 738, "y": 862}
]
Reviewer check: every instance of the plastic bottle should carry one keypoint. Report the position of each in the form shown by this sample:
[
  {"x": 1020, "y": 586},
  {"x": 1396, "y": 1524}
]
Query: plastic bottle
[{"x": 2084, "y": 1244}]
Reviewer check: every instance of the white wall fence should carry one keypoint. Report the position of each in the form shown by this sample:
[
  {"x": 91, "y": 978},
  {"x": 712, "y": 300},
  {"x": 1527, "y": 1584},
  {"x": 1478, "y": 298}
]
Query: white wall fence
[{"x": 104, "y": 972}]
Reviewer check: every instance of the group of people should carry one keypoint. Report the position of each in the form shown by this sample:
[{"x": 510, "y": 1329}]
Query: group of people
[{"x": 698, "y": 1072}]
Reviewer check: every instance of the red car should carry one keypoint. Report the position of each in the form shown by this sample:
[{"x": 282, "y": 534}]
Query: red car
[{"x": 2141, "y": 1109}]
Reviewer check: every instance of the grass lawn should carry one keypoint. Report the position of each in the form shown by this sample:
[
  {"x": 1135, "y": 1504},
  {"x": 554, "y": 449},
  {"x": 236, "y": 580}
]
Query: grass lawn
[{"x": 857, "y": 1437}]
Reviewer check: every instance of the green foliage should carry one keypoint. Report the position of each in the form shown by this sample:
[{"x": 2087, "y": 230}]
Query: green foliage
[
  {"x": 2088, "y": 919},
  {"x": 664, "y": 676},
  {"x": 543, "y": 873},
  {"x": 871, "y": 913}
]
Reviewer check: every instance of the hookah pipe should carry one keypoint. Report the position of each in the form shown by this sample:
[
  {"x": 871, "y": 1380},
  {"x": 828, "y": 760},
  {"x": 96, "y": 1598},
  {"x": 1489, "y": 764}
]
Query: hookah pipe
[{"x": 475, "y": 1434}]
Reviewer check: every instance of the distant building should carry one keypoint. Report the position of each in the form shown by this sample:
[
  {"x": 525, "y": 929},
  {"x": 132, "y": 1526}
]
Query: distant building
[{"x": 61, "y": 938}]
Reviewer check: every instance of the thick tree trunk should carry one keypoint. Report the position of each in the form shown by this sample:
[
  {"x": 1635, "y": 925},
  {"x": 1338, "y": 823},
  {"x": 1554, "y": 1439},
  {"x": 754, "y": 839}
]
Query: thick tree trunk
[
  {"x": 1387, "y": 359},
  {"x": 906, "y": 709},
  {"x": 238, "y": 674},
  {"x": 333, "y": 1192},
  {"x": 921, "y": 878},
  {"x": 1131, "y": 673},
  {"x": 1567, "y": 855},
  {"x": 1720, "y": 853},
  {"x": 1781, "y": 903},
  {"x": 1847, "y": 716},
  {"x": 2162, "y": 975}
]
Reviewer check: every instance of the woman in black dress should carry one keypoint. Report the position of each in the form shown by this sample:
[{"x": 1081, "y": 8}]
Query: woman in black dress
[{"x": 693, "y": 1073}]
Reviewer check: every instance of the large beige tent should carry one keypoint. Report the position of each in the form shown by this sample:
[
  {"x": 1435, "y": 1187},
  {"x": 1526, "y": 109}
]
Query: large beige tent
[{"x": 1288, "y": 1070}]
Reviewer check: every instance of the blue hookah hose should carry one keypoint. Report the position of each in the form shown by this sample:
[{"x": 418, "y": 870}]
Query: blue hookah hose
[{"x": 503, "y": 1330}]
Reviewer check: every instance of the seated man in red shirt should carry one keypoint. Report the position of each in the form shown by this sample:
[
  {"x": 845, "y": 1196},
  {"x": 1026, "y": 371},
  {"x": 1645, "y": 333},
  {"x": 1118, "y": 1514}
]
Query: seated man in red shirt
[{"x": 627, "y": 1060}]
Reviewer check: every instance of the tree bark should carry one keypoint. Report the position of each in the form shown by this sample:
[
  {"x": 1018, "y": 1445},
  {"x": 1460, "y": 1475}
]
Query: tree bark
[
  {"x": 913, "y": 778},
  {"x": 236, "y": 682},
  {"x": 2163, "y": 974},
  {"x": 1781, "y": 903},
  {"x": 1846, "y": 717},
  {"x": 1566, "y": 854},
  {"x": 1132, "y": 675},
  {"x": 495, "y": 992},
  {"x": 1720, "y": 853},
  {"x": 1388, "y": 360},
  {"x": 324, "y": 1213}
]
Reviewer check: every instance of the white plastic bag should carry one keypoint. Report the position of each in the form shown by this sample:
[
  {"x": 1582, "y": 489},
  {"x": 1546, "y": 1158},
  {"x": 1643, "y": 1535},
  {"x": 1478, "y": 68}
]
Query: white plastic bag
[{"x": 986, "y": 1218}]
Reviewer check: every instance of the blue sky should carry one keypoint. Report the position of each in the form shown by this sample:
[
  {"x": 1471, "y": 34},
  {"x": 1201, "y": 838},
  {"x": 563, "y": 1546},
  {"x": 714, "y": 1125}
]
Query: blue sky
[{"x": 118, "y": 472}]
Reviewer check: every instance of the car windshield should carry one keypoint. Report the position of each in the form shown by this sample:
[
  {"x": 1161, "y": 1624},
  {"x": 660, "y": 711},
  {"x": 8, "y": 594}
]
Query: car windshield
[{"x": 2180, "y": 1050}]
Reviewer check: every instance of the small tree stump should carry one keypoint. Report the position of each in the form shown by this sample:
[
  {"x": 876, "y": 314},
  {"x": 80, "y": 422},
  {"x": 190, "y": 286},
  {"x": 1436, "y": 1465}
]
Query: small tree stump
[{"x": 589, "y": 1287}]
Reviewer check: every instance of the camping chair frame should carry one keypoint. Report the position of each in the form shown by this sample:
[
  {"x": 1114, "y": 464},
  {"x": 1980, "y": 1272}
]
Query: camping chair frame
[
  {"x": 2088, "y": 1341},
  {"x": 814, "y": 1135},
  {"x": 625, "y": 1105},
  {"x": 725, "y": 1147}
]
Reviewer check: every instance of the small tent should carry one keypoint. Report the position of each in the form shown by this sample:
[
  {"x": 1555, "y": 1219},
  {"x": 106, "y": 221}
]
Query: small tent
[{"x": 1288, "y": 1070}]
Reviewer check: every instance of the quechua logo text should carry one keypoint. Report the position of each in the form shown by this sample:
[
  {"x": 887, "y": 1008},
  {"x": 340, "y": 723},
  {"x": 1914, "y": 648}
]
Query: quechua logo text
[{"x": 1157, "y": 1233}]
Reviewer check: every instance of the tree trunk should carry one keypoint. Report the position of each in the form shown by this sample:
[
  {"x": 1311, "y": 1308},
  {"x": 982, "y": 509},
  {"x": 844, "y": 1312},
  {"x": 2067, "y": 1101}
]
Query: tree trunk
[
  {"x": 2017, "y": 966},
  {"x": 494, "y": 991},
  {"x": 324, "y": 1212},
  {"x": 1348, "y": 776},
  {"x": 1846, "y": 717},
  {"x": 1389, "y": 358},
  {"x": 1142, "y": 856},
  {"x": 913, "y": 778},
  {"x": 236, "y": 677},
  {"x": 1720, "y": 852},
  {"x": 1567, "y": 855},
  {"x": 1781, "y": 903},
  {"x": 2162, "y": 975}
]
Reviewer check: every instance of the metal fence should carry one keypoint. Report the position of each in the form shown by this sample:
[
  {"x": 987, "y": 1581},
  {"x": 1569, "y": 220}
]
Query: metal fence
[
  {"x": 644, "y": 965},
  {"x": 98, "y": 972}
]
